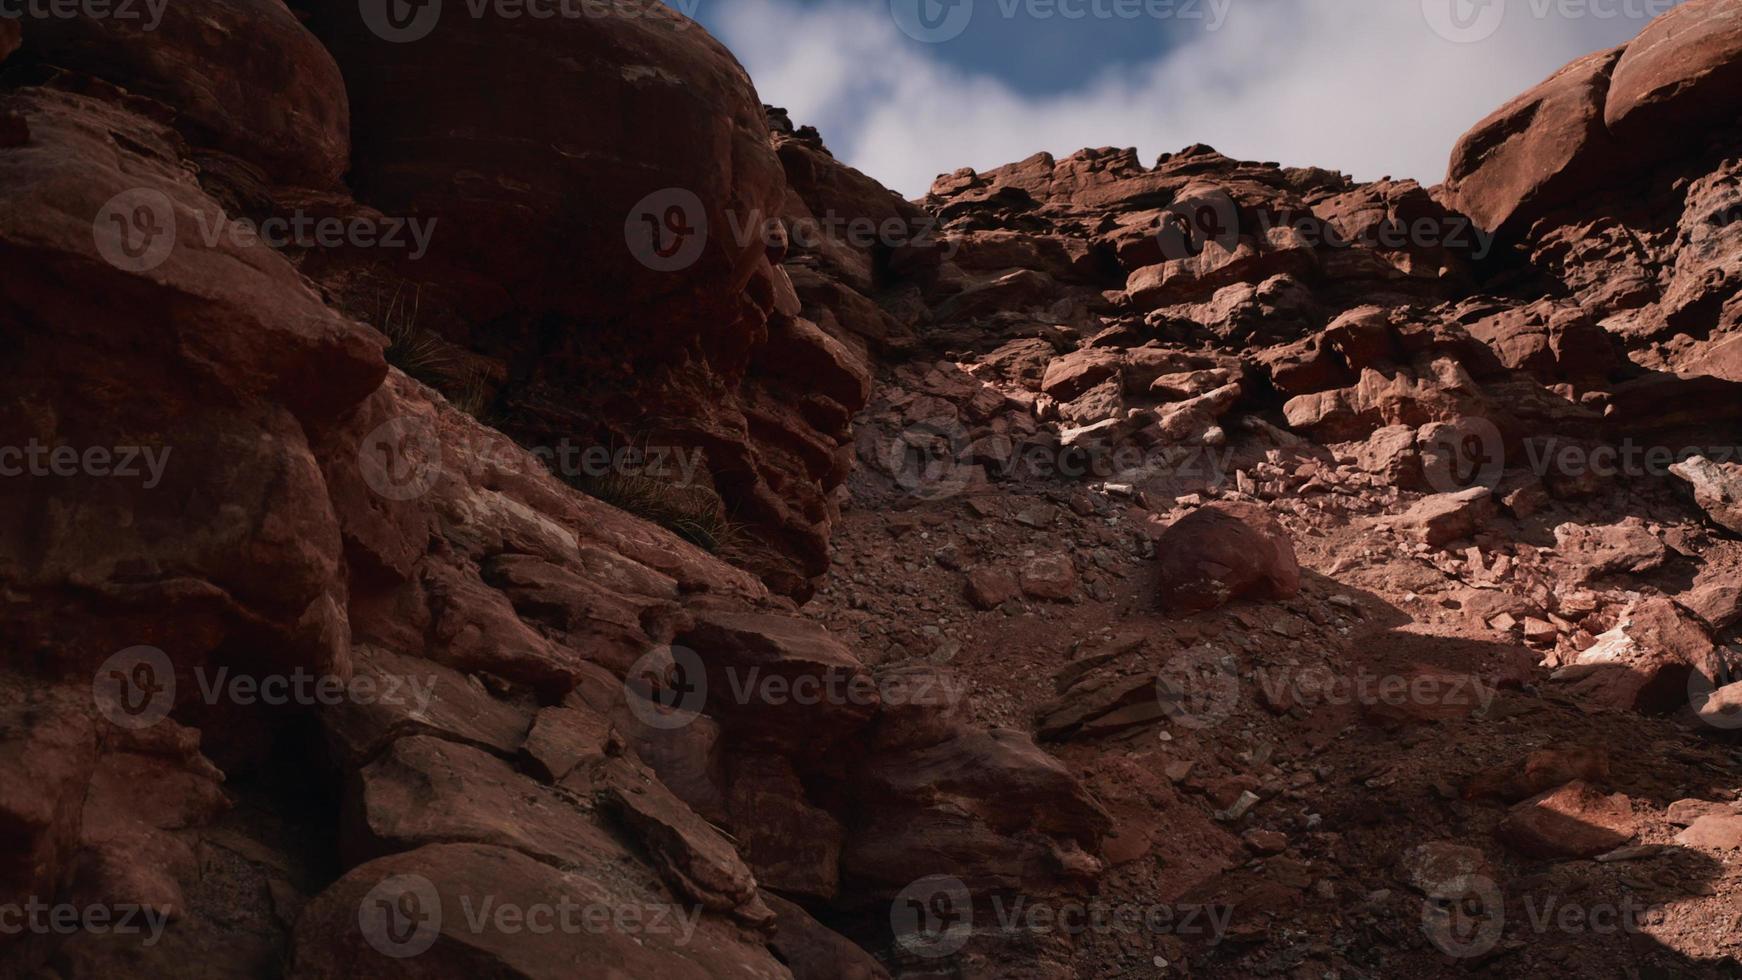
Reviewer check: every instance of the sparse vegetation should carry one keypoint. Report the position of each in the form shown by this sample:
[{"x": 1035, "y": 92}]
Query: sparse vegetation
[
  {"x": 420, "y": 354},
  {"x": 427, "y": 358},
  {"x": 471, "y": 394},
  {"x": 690, "y": 511}
]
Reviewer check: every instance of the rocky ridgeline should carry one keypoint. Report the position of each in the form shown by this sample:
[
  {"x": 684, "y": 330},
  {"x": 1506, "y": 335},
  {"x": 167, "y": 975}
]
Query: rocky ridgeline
[{"x": 512, "y": 692}]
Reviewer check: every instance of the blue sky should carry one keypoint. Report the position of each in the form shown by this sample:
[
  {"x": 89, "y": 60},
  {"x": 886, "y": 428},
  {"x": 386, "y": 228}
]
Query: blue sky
[{"x": 908, "y": 89}]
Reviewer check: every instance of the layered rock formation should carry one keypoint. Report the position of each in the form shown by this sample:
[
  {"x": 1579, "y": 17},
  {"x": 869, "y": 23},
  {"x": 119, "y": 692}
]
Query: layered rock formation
[{"x": 344, "y": 637}]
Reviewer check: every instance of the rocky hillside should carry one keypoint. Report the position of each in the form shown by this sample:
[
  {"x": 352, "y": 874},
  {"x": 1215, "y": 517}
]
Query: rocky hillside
[{"x": 446, "y": 536}]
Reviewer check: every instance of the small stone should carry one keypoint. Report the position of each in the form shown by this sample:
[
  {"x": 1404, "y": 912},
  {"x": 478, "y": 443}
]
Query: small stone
[
  {"x": 1265, "y": 841},
  {"x": 1051, "y": 577},
  {"x": 1241, "y": 806},
  {"x": 989, "y": 588}
]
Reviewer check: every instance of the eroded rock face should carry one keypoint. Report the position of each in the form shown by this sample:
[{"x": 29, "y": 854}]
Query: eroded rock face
[
  {"x": 1193, "y": 366},
  {"x": 650, "y": 310},
  {"x": 1717, "y": 488},
  {"x": 1536, "y": 151},
  {"x": 299, "y": 510},
  {"x": 1680, "y": 71},
  {"x": 241, "y": 76}
]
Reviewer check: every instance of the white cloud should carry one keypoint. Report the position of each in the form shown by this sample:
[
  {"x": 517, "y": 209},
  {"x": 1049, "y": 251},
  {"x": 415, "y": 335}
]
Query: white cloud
[{"x": 1364, "y": 86}]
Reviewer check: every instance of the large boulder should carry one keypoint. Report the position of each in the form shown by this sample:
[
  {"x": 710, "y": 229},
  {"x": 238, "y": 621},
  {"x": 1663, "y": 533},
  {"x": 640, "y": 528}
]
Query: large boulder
[
  {"x": 241, "y": 76},
  {"x": 1536, "y": 151},
  {"x": 465, "y": 910},
  {"x": 1717, "y": 488},
  {"x": 1223, "y": 552},
  {"x": 1680, "y": 75},
  {"x": 1646, "y": 663},
  {"x": 1574, "y": 821}
]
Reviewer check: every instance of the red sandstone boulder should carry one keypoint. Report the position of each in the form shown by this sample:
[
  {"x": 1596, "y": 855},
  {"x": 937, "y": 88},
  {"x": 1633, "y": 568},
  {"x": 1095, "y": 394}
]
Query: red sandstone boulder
[
  {"x": 242, "y": 76},
  {"x": 779, "y": 681},
  {"x": 1442, "y": 518},
  {"x": 1536, "y": 151},
  {"x": 1645, "y": 663},
  {"x": 814, "y": 952},
  {"x": 988, "y": 807},
  {"x": 1574, "y": 821},
  {"x": 1681, "y": 74},
  {"x": 1224, "y": 552},
  {"x": 1552, "y": 341},
  {"x": 1717, "y": 488},
  {"x": 458, "y": 910}
]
